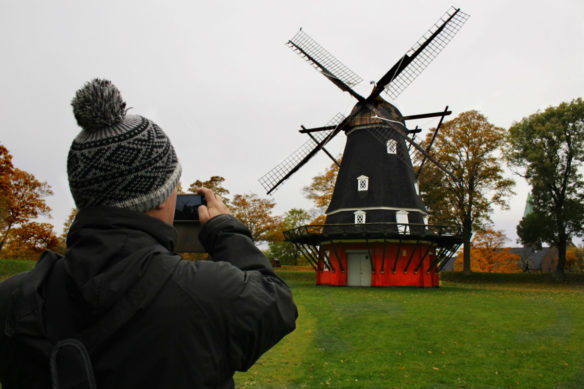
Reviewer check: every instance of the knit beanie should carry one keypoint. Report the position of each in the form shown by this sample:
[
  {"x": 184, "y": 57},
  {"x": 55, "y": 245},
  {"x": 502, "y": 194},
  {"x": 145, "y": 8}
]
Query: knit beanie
[{"x": 118, "y": 160}]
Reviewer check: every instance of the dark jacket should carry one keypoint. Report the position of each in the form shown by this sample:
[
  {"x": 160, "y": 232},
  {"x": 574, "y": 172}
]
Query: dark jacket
[{"x": 193, "y": 329}]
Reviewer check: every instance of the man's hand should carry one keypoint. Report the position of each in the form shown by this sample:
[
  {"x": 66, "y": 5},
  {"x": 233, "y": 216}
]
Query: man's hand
[{"x": 213, "y": 208}]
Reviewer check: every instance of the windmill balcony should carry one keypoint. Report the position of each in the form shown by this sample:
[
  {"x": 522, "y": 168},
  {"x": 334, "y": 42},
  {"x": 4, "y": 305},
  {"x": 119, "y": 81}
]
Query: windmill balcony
[{"x": 399, "y": 231}]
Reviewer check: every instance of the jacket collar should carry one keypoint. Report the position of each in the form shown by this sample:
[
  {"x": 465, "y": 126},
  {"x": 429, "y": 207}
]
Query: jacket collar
[{"x": 109, "y": 218}]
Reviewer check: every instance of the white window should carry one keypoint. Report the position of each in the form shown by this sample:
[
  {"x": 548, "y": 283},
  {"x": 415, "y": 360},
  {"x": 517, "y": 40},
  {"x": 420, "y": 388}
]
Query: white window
[
  {"x": 362, "y": 183},
  {"x": 391, "y": 146},
  {"x": 402, "y": 220},
  {"x": 360, "y": 217}
]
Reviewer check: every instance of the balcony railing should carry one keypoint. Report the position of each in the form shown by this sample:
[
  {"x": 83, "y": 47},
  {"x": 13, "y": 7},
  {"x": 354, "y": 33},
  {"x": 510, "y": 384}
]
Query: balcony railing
[{"x": 372, "y": 231}]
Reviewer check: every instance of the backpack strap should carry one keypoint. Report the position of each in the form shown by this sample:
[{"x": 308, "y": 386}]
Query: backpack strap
[{"x": 71, "y": 366}]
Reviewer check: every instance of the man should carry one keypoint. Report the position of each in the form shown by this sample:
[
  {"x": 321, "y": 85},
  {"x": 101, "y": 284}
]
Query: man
[{"x": 121, "y": 306}]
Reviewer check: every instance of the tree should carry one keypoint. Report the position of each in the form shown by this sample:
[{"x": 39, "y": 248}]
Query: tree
[
  {"x": 215, "y": 183},
  {"x": 575, "y": 259},
  {"x": 62, "y": 245},
  {"x": 320, "y": 191},
  {"x": 489, "y": 254},
  {"x": 547, "y": 148},
  {"x": 287, "y": 252},
  {"x": 30, "y": 239},
  {"x": 468, "y": 147},
  {"x": 24, "y": 202},
  {"x": 255, "y": 213},
  {"x": 6, "y": 171}
]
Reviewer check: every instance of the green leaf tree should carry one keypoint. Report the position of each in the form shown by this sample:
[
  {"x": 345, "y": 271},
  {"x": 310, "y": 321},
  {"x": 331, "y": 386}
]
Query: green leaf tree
[
  {"x": 469, "y": 147},
  {"x": 547, "y": 148}
]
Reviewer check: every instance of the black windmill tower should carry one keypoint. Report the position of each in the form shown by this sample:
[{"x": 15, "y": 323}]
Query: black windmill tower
[{"x": 376, "y": 232}]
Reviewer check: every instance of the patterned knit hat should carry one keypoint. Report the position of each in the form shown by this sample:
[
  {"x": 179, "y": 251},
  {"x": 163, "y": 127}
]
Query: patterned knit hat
[{"x": 118, "y": 160}]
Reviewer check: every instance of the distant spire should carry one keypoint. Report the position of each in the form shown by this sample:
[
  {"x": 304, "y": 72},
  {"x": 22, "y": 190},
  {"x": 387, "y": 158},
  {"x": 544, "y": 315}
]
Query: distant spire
[{"x": 528, "y": 205}]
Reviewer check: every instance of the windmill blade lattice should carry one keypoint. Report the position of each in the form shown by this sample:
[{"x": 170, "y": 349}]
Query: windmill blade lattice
[
  {"x": 429, "y": 52},
  {"x": 322, "y": 60},
  {"x": 274, "y": 177}
]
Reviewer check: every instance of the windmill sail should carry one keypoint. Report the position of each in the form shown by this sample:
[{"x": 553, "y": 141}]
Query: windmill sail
[
  {"x": 325, "y": 62},
  {"x": 272, "y": 179},
  {"x": 423, "y": 52}
]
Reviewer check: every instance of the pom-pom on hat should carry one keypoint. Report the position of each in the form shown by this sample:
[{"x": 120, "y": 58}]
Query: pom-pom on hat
[{"x": 118, "y": 160}]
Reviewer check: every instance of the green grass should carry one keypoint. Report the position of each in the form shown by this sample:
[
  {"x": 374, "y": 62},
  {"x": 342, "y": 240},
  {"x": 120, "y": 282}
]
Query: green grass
[
  {"x": 478, "y": 331},
  {"x": 482, "y": 331},
  {"x": 9, "y": 267}
]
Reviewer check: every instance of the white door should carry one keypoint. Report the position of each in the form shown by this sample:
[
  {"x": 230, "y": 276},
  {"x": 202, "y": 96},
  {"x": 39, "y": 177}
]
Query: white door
[{"x": 359, "y": 269}]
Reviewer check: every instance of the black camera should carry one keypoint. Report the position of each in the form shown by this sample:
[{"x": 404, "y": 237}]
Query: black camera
[
  {"x": 186, "y": 222},
  {"x": 186, "y": 207}
]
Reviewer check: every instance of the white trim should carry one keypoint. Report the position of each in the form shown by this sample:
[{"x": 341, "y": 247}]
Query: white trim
[{"x": 378, "y": 209}]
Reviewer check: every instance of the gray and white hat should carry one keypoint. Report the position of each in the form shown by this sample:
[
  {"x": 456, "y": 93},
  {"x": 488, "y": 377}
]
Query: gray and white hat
[{"x": 118, "y": 160}]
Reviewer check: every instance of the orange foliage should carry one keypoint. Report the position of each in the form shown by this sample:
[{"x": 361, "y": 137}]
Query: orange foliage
[
  {"x": 22, "y": 201},
  {"x": 28, "y": 240},
  {"x": 488, "y": 254},
  {"x": 6, "y": 170},
  {"x": 575, "y": 259},
  {"x": 320, "y": 191},
  {"x": 215, "y": 183},
  {"x": 255, "y": 213}
]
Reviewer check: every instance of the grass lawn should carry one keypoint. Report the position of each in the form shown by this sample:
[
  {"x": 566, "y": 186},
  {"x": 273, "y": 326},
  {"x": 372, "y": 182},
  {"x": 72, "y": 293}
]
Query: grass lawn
[
  {"x": 9, "y": 267},
  {"x": 484, "y": 331}
]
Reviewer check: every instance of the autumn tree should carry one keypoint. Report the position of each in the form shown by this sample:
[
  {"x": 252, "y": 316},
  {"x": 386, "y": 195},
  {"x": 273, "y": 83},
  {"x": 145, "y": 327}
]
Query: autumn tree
[
  {"x": 575, "y": 259},
  {"x": 468, "y": 146},
  {"x": 30, "y": 239},
  {"x": 256, "y": 213},
  {"x": 321, "y": 189},
  {"x": 62, "y": 245},
  {"x": 489, "y": 254},
  {"x": 287, "y": 252},
  {"x": 547, "y": 148},
  {"x": 215, "y": 183},
  {"x": 24, "y": 202},
  {"x": 6, "y": 171}
]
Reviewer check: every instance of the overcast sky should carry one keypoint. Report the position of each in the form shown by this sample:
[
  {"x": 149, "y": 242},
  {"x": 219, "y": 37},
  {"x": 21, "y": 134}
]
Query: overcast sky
[{"x": 218, "y": 78}]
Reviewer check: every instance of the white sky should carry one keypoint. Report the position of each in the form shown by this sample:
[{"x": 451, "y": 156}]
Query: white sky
[{"x": 217, "y": 77}]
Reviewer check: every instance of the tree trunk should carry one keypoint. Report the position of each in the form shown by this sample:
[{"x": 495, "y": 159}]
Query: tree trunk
[
  {"x": 466, "y": 236},
  {"x": 8, "y": 228},
  {"x": 562, "y": 243}
]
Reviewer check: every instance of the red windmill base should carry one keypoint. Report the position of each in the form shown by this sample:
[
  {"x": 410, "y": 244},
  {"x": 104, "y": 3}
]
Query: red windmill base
[{"x": 376, "y": 254}]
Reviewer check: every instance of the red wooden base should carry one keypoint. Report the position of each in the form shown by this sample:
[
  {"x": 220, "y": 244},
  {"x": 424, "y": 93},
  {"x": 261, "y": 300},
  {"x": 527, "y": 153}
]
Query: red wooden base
[{"x": 349, "y": 265}]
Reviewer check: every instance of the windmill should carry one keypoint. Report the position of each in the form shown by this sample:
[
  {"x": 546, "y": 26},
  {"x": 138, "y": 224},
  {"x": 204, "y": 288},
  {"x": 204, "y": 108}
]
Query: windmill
[{"x": 376, "y": 233}]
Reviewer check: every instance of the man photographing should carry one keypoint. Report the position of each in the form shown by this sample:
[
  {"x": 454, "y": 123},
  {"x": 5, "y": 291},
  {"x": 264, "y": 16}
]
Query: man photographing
[{"x": 121, "y": 310}]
